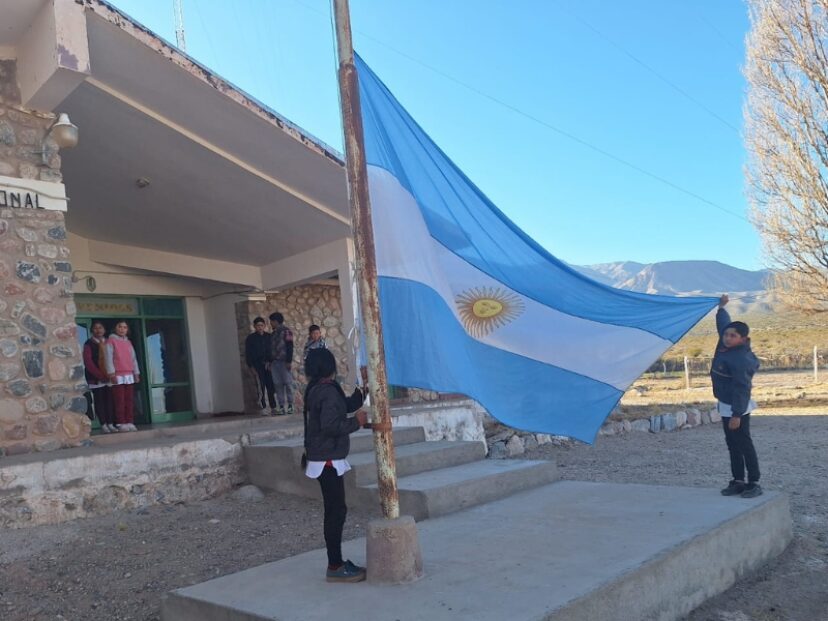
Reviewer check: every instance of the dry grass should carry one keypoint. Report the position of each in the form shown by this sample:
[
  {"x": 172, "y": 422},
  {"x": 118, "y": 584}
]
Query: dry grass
[
  {"x": 790, "y": 392},
  {"x": 772, "y": 334}
]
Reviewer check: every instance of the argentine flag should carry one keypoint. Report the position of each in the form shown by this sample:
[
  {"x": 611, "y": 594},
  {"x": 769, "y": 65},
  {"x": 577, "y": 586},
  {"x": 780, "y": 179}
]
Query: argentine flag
[{"x": 470, "y": 304}]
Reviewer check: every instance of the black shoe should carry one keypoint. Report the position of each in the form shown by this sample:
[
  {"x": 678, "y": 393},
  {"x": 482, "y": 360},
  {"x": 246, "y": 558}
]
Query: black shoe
[
  {"x": 347, "y": 572},
  {"x": 752, "y": 490},
  {"x": 733, "y": 488}
]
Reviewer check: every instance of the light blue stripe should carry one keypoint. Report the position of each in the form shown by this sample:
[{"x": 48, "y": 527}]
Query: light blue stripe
[
  {"x": 426, "y": 347},
  {"x": 461, "y": 218}
]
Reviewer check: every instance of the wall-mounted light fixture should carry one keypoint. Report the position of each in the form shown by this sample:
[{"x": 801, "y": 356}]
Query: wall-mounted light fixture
[
  {"x": 63, "y": 132},
  {"x": 91, "y": 284}
]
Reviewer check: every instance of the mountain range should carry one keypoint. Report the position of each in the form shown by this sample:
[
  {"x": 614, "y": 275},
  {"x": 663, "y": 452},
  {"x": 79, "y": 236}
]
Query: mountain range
[{"x": 687, "y": 278}]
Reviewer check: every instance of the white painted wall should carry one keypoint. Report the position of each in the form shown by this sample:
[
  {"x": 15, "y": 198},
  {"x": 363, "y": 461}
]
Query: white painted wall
[
  {"x": 114, "y": 279},
  {"x": 202, "y": 381},
  {"x": 223, "y": 352}
]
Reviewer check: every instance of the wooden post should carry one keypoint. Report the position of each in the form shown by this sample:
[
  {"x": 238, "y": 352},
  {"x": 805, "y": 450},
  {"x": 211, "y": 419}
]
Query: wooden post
[
  {"x": 366, "y": 264},
  {"x": 686, "y": 373},
  {"x": 816, "y": 365}
]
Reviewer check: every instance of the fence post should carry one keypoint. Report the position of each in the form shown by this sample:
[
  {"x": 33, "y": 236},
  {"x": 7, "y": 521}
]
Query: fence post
[
  {"x": 816, "y": 365},
  {"x": 686, "y": 373}
]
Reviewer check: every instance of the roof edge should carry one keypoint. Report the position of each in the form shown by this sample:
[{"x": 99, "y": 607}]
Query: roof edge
[{"x": 164, "y": 48}]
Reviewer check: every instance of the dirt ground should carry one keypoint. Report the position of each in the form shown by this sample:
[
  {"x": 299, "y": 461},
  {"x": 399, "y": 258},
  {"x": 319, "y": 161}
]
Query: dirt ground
[{"x": 118, "y": 567}]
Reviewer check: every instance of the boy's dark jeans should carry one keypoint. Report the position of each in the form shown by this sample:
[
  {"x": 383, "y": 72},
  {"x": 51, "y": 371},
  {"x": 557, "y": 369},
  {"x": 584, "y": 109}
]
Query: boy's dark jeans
[
  {"x": 266, "y": 386},
  {"x": 742, "y": 453},
  {"x": 333, "y": 498}
]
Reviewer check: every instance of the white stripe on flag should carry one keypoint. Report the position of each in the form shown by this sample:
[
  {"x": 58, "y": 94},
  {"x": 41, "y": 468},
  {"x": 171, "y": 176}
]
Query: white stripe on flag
[{"x": 615, "y": 355}]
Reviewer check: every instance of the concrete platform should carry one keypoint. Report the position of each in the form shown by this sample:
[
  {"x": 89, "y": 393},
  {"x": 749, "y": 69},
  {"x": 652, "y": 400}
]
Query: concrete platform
[{"x": 566, "y": 551}]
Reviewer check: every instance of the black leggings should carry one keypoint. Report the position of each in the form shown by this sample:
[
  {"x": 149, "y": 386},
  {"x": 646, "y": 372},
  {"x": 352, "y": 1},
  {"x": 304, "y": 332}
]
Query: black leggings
[
  {"x": 742, "y": 453},
  {"x": 333, "y": 497}
]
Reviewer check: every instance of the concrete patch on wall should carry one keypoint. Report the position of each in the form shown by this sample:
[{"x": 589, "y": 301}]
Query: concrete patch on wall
[{"x": 443, "y": 420}]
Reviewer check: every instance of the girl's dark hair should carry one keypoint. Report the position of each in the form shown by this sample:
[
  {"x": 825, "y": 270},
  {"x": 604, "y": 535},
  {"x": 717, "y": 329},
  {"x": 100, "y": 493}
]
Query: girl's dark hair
[
  {"x": 314, "y": 327},
  {"x": 320, "y": 364},
  {"x": 740, "y": 327}
]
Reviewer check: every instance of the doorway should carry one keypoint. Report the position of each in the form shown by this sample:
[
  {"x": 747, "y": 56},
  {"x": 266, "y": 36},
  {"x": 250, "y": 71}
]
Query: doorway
[{"x": 158, "y": 331}]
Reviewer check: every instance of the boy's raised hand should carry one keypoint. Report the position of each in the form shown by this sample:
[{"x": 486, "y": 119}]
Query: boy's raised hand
[{"x": 723, "y": 300}]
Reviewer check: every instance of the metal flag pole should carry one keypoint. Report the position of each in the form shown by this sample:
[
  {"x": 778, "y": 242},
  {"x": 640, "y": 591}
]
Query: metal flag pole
[{"x": 366, "y": 264}]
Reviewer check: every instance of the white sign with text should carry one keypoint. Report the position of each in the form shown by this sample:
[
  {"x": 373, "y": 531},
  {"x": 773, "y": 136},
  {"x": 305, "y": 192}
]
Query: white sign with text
[{"x": 31, "y": 194}]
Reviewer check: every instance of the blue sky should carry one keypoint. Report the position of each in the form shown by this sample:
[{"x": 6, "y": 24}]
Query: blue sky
[{"x": 536, "y": 100}]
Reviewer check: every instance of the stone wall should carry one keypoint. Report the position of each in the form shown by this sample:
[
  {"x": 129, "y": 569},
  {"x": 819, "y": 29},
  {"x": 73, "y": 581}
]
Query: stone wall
[
  {"x": 302, "y": 306},
  {"x": 41, "y": 374}
]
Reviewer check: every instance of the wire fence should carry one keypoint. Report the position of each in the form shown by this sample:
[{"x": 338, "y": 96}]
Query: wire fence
[{"x": 688, "y": 366}]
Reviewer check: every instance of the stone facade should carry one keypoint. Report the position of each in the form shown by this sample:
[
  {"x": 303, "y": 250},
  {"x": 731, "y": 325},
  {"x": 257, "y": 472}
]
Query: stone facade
[
  {"x": 302, "y": 306},
  {"x": 41, "y": 374}
]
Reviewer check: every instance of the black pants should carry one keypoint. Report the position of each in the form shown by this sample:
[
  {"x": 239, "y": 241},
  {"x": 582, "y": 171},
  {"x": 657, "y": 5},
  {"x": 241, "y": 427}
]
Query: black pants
[
  {"x": 103, "y": 409},
  {"x": 266, "y": 386},
  {"x": 742, "y": 453},
  {"x": 333, "y": 497}
]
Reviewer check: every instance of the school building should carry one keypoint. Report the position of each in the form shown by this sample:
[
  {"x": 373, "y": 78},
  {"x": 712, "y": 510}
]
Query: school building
[{"x": 186, "y": 208}]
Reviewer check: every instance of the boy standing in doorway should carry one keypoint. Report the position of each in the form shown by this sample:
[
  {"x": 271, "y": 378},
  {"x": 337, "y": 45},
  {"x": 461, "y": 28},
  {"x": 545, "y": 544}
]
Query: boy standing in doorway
[
  {"x": 256, "y": 355},
  {"x": 281, "y": 359}
]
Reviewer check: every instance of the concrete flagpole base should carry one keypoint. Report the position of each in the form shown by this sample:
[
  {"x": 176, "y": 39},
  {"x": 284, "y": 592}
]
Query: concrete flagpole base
[{"x": 393, "y": 551}]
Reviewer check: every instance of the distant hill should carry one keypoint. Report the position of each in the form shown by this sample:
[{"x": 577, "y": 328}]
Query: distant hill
[{"x": 687, "y": 278}]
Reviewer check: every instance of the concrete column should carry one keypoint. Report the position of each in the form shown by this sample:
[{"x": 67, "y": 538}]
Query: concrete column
[
  {"x": 53, "y": 55},
  {"x": 347, "y": 294},
  {"x": 41, "y": 372}
]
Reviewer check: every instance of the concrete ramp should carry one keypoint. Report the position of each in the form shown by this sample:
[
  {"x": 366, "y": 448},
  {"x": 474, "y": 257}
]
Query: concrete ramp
[{"x": 564, "y": 552}]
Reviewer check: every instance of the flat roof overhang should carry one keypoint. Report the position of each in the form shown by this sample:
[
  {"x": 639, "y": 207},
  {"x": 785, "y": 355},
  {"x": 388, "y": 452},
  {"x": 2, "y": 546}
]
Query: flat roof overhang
[{"x": 229, "y": 179}]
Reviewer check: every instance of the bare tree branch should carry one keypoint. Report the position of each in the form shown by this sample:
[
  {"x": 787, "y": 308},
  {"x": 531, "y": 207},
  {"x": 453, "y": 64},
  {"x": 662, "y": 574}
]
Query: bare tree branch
[{"x": 786, "y": 134}]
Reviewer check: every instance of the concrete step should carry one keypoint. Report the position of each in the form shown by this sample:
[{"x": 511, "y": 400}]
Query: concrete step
[
  {"x": 276, "y": 465},
  {"x": 440, "y": 492},
  {"x": 433, "y": 478},
  {"x": 415, "y": 458}
]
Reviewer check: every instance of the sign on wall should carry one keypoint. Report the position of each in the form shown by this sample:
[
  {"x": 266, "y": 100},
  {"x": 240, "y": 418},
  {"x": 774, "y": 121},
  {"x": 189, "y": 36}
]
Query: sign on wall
[
  {"x": 31, "y": 194},
  {"x": 107, "y": 307}
]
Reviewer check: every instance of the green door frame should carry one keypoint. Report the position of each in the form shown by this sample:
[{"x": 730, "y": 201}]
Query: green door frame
[{"x": 145, "y": 386}]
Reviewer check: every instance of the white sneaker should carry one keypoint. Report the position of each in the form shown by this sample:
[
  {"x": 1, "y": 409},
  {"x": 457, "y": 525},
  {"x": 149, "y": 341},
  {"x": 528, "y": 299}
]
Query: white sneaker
[
  {"x": 105, "y": 429},
  {"x": 132, "y": 427}
]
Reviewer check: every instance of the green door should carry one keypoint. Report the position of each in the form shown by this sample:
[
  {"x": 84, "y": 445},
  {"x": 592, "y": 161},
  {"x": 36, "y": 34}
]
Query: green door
[{"x": 158, "y": 332}]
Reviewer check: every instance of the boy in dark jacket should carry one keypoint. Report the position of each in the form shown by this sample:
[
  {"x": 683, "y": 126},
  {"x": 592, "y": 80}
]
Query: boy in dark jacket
[
  {"x": 257, "y": 356},
  {"x": 732, "y": 375},
  {"x": 327, "y": 444}
]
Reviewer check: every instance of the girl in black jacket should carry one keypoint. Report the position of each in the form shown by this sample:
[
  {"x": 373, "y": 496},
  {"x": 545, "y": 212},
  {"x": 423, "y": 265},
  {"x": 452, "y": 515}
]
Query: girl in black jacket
[{"x": 327, "y": 428}]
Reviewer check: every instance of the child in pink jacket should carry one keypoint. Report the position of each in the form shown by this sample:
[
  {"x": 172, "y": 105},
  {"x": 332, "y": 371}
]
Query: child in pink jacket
[{"x": 122, "y": 368}]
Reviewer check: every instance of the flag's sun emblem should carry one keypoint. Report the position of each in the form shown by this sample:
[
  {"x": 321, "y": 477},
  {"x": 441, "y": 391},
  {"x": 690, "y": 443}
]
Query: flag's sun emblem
[{"x": 484, "y": 309}]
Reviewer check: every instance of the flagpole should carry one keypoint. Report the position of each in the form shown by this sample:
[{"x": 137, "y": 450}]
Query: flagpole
[{"x": 366, "y": 264}]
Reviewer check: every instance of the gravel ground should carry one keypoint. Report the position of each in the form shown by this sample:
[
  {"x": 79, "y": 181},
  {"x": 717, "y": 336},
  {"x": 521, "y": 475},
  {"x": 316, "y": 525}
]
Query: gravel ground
[{"x": 117, "y": 567}]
